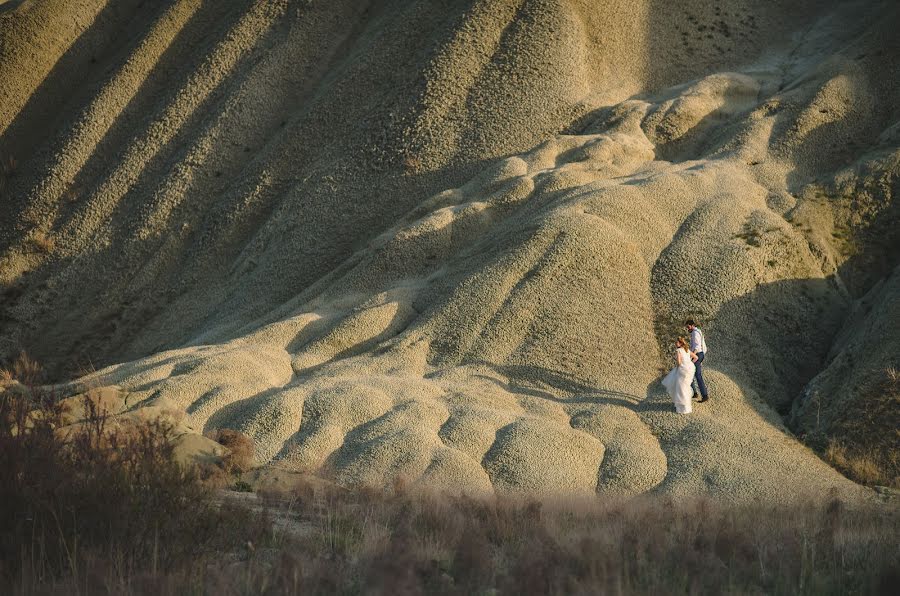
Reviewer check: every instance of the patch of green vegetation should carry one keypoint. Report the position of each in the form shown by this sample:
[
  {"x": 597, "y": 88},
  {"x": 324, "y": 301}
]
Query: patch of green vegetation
[{"x": 242, "y": 486}]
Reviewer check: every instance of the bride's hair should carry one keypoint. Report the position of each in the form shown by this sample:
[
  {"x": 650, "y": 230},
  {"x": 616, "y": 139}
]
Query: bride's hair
[{"x": 681, "y": 343}]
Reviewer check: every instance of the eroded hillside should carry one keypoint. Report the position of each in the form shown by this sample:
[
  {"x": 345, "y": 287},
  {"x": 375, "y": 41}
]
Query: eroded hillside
[{"x": 452, "y": 242}]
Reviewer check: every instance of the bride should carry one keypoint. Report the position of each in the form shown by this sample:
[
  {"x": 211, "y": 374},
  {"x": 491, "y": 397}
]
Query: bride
[{"x": 678, "y": 381}]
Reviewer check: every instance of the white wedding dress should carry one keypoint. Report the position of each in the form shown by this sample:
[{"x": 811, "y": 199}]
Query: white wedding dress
[{"x": 678, "y": 382}]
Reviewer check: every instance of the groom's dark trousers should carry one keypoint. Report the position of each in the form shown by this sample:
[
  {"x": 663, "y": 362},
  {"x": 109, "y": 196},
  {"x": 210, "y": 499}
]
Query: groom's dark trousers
[{"x": 698, "y": 376}]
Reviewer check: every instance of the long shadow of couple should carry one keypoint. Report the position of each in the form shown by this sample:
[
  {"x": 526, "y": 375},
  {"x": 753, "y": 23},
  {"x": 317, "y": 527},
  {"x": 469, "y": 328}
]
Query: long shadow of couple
[{"x": 528, "y": 380}]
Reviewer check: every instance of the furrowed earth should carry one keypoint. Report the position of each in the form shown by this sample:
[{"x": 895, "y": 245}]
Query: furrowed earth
[{"x": 455, "y": 242}]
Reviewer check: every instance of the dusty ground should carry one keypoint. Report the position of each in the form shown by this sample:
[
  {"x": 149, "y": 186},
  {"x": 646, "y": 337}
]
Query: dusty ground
[{"x": 455, "y": 244}]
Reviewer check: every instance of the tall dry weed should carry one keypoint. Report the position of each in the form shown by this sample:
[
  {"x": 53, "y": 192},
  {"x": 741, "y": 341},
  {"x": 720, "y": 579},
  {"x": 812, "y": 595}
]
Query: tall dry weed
[
  {"x": 23, "y": 369},
  {"x": 104, "y": 508},
  {"x": 460, "y": 545},
  {"x": 95, "y": 506}
]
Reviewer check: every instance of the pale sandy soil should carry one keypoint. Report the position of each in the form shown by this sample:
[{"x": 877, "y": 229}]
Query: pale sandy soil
[{"x": 401, "y": 239}]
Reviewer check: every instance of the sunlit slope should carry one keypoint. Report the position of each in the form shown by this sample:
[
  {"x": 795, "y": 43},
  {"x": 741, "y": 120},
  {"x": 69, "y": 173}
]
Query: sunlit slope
[
  {"x": 452, "y": 244},
  {"x": 190, "y": 153}
]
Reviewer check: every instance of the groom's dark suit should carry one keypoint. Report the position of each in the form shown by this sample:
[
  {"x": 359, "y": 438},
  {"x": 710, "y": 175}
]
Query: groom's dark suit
[{"x": 698, "y": 347}]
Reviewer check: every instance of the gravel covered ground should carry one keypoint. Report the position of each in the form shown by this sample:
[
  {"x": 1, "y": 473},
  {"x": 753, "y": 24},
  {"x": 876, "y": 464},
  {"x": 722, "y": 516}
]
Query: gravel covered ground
[{"x": 453, "y": 245}]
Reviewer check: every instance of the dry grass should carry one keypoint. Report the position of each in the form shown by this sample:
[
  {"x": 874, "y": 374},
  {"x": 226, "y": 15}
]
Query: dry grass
[
  {"x": 100, "y": 509},
  {"x": 863, "y": 442},
  {"x": 103, "y": 509},
  {"x": 399, "y": 542},
  {"x": 23, "y": 369},
  {"x": 866, "y": 467},
  {"x": 241, "y": 449},
  {"x": 107, "y": 513}
]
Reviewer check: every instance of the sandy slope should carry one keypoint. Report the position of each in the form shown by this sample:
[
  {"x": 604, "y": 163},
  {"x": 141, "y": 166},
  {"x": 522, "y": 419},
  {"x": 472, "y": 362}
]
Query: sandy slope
[{"x": 453, "y": 243}]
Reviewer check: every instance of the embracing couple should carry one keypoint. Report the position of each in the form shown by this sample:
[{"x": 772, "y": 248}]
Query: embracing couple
[{"x": 679, "y": 383}]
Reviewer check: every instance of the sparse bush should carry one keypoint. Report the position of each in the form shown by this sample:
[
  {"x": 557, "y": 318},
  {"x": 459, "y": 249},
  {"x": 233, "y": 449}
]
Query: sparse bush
[
  {"x": 23, "y": 369},
  {"x": 96, "y": 506},
  {"x": 242, "y": 486},
  {"x": 71, "y": 193},
  {"x": 241, "y": 450}
]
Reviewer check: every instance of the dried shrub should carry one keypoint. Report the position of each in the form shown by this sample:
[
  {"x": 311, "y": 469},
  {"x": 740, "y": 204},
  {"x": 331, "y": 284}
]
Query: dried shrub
[
  {"x": 241, "y": 449},
  {"x": 23, "y": 369},
  {"x": 96, "y": 506}
]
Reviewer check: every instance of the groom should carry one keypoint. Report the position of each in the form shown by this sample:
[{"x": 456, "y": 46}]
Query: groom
[{"x": 698, "y": 348}]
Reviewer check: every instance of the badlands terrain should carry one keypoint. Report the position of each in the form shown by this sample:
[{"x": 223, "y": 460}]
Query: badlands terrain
[{"x": 453, "y": 242}]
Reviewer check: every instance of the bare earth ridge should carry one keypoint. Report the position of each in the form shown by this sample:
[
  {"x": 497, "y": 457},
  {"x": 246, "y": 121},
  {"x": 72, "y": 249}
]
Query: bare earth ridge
[{"x": 454, "y": 243}]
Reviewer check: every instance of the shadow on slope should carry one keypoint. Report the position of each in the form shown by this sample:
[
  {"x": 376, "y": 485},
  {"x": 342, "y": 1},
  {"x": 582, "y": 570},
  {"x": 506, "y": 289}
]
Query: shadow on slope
[{"x": 89, "y": 59}]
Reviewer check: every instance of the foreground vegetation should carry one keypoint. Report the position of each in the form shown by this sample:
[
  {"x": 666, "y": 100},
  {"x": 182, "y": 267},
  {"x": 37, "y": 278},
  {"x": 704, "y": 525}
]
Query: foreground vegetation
[
  {"x": 102, "y": 508},
  {"x": 864, "y": 440}
]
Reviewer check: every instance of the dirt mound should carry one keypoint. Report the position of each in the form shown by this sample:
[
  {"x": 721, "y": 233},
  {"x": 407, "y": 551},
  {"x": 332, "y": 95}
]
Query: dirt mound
[{"x": 396, "y": 239}]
